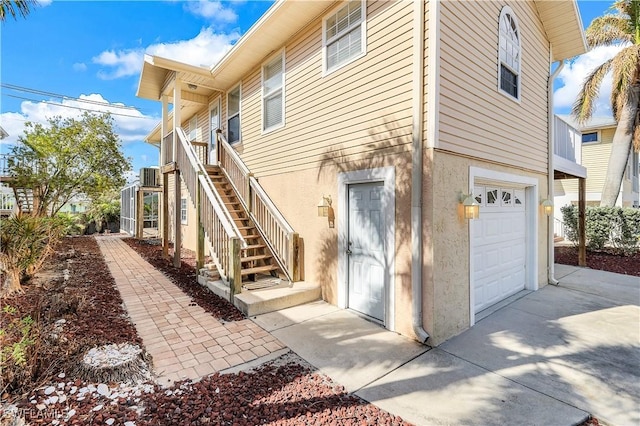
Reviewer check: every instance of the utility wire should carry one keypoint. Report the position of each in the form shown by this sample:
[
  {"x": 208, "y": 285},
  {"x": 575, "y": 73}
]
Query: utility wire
[{"x": 81, "y": 108}]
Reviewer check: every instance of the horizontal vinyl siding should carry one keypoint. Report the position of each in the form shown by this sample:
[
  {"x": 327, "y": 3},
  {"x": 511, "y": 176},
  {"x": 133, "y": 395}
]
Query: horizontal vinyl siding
[
  {"x": 363, "y": 109},
  {"x": 476, "y": 119},
  {"x": 425, "y": 90},
  {"x": 595, "y": 157}
]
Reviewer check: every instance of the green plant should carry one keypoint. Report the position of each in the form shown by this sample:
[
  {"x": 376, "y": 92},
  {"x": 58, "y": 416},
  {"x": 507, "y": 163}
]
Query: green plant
[
  {"x": 570, "y": 219},
  {"x": 20, "y": 331},
  {"x": 71, "y": 224},
  {"x": 25, "y": 242},
  {"x": 598, "y": 226}
]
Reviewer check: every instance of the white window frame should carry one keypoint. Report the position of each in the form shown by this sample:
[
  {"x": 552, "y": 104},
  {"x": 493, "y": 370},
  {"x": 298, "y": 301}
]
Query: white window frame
[
  {"x": 273, "y": 93},
  {"x": 239, "y": 114},
  {"x": 507, "y": 10},
  {"x": 184, "y": 211},
  {"x": 597, "y": 132},
  {"x": 363, "y": 37},
  {"x": 193, "y": 128}
]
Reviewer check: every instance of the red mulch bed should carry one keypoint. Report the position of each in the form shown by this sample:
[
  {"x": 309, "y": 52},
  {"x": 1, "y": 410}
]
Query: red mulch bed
[
  {"x": 629, "y": 265},
  {"x": 185, "y": 277},
  {"x": 285, "y": 392}
]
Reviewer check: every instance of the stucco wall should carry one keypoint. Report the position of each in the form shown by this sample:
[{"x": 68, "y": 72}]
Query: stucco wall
[{"x": 446, "y": 236}]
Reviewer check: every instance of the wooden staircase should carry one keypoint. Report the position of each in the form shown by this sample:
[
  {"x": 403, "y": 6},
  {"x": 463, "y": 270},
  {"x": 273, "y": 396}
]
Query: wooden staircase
[{"x": 257, "y": 261}]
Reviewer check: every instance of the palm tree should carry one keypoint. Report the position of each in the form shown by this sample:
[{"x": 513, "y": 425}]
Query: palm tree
[
  {"x": 622, "y": 27},
  {"x": 15, "y": 8}
]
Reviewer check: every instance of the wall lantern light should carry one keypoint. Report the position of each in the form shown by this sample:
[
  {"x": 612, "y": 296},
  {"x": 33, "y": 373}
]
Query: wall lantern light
[
  {"x": 547, "y": 207},
  {"x": 471, "y": 207},
  {"x": 325, "y": 210}
]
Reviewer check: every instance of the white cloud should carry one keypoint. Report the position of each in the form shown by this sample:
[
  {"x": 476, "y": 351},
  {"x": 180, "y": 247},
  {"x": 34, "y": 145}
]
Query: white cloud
[
  {"x": 211, "y": 10},
  {"x": 130, "y": 124},
  {"x": 44, "y": 3},
  {"x": 203, "y": 50},
  {"x": 574, "y": 74},
  {"x": 122, "y": 63},
  {"x": 79, "y": 66}
]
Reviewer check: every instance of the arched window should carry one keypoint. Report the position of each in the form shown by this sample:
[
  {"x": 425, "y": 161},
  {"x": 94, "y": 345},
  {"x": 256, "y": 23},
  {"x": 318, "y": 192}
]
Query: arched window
[{"x": 509, "y": 54}]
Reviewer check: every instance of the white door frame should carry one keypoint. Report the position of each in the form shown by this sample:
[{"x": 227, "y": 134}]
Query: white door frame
[
  {"x": 531, "y": 231},
  {"x": 387, "y": 175},
  {"x": 217, "y": 100}
]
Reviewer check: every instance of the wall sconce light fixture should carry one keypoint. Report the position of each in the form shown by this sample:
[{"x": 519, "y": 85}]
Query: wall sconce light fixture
[
  {"x": 325, "y": 210},
  {"x": 471, "y": 207},
  {"x": 547, "y": 207}
]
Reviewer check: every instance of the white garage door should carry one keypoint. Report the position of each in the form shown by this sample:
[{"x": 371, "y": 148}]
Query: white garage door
[{"x": 499, "y": 244}]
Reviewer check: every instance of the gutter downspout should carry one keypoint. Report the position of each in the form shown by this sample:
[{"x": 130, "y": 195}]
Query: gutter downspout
[
  {"x": 551, "y": 134},
  {"x": 416, "y": 170}
]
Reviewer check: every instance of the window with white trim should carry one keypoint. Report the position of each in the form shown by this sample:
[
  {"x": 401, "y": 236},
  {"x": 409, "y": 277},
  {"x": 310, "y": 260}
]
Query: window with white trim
[
  {"x": 233, "y": 115},
  {"x": 343, "y": 35},
  {"x": 273, "y": 94},
  {"x": 509, "y": 54},
  {"x": 590, "y": 137},
  {"x": 193, "y": 128},
  {"x": 183, "y": 211}
]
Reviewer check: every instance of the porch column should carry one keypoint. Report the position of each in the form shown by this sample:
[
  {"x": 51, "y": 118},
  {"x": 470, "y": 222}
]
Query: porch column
[
  {"x": 199, "y": 231},
  {"x": 164, "y": 215},
  {"x": 177, "y": 241},
  {"x": 582, "y": 233},
  {"x": 139, "y": 213},
  {"x": 177, "y": 120}
]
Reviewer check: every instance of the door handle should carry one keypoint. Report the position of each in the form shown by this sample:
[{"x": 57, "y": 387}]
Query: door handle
[{"x": 348, "y": 251}]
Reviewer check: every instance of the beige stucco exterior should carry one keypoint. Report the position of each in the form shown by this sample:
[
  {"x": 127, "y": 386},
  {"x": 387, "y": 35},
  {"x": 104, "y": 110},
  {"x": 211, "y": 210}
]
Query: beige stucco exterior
[{"x": 362, "y": 117}]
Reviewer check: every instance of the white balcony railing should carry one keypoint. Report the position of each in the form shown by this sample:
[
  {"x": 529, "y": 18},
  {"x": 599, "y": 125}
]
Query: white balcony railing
[{"x": 568, "y": 141}]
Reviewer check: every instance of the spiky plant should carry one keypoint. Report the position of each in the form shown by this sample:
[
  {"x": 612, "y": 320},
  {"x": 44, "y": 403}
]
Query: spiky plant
[
  {"x": 620, "y": 27},
  {"x": 15, "y": 8}
]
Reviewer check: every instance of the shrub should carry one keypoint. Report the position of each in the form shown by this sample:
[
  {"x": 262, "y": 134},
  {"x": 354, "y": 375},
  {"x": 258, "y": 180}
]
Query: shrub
[
  {"x": 614, "y": 227},
  {"x": 25, "y": 242}
]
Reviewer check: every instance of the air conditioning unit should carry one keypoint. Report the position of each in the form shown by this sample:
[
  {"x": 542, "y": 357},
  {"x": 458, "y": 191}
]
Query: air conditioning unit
[{"x": 149, "y": 176}]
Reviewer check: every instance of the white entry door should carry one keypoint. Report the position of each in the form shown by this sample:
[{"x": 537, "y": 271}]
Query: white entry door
[
  {"x": 214, "y": 124},
  {"x": 500, "y": 243},
  {"x": 366, "y": 250}
]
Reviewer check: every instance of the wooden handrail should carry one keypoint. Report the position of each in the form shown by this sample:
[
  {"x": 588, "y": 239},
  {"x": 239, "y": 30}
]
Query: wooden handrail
[
  {"x": 224, "y": 235},
  {"x": 276, "y": 231}
]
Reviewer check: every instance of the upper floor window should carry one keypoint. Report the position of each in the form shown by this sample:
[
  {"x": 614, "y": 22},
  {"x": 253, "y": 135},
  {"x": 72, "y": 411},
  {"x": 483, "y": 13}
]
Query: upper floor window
[
  {"x": 343, "y": 35},
  {"x": 590, "y": 137},
  {"x": 233, "y": 115},
  {"x": 509, "y": 54},
  {"x": 273, "y": 94}
]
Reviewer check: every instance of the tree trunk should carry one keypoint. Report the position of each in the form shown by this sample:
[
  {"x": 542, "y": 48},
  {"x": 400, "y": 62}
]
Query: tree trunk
[{"x": 620, "y": 149}]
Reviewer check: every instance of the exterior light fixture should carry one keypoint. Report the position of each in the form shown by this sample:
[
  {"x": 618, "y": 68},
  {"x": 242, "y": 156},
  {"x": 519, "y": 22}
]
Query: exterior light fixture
[
  {"x": 192, "y": 86},
  {"x": 547, "y": 207},
  {"x": 324, "y": 205},
  {"x": 325, "y": 210},
  {"x": 471, "y": 207}
]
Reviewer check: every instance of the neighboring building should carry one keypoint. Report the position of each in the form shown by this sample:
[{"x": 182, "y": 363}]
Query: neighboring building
[
  {"x": 389, "y": 113},
  {"x": 596, "y": 139}
]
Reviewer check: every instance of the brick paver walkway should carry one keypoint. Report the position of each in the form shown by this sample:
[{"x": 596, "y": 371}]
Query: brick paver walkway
[{"x": 184, "y": 340}]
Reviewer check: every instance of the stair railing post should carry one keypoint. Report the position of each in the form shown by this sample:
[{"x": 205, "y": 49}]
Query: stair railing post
[
  {"x": 200, "y": 236},
  {"x": 248, "y": 191},
  {"x": 218, "y": 146},
  {"x": 292, "y": 257},
  {"x": 177, "y": 241},
  {"x": 235, "y": 272}
]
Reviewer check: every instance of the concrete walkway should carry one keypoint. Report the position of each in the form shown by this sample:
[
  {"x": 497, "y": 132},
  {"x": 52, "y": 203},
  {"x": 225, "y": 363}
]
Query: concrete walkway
[
  {"x": 184, "y": 340},
  {"x": 550, "y": 358}
]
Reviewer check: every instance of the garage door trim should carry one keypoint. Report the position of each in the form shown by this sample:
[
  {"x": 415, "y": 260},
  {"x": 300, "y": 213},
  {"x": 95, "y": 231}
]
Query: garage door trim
[{"x": 480, "y": 176}]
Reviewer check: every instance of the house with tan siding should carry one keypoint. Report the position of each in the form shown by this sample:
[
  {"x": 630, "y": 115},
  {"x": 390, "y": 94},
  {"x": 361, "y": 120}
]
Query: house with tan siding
[
  {"x": 331, "y": 151},
  {"x": 596, "y": 139}
]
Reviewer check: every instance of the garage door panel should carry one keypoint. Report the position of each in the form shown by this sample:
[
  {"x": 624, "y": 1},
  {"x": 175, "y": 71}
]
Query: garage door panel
[{"x": 499, "y": 249}]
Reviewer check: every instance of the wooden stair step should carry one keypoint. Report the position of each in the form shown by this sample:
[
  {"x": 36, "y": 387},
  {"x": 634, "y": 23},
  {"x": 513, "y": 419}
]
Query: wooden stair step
[
  {"x": 258, "y": 269},
  {"x": 254, "y": 246},
  {"x": 251, "y": 236},
  {"x": 256, "y": 257}
]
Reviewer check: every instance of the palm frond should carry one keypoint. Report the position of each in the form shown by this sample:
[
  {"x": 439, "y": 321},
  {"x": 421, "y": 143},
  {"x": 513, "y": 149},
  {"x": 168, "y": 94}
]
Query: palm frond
[
  {"x": 15, "y": 8},
  {"x": 625, "y": 70},
  {"x": 585, "y": 103},
  {"x": 608, "y": 29}
]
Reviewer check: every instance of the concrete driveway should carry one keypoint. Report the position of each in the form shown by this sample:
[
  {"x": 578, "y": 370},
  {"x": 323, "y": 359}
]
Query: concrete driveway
[{"x": 550, "y": 358}]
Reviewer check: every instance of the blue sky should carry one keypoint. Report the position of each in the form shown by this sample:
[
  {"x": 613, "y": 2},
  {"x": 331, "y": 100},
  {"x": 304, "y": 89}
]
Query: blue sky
[{"x": 91, "y": 52}]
